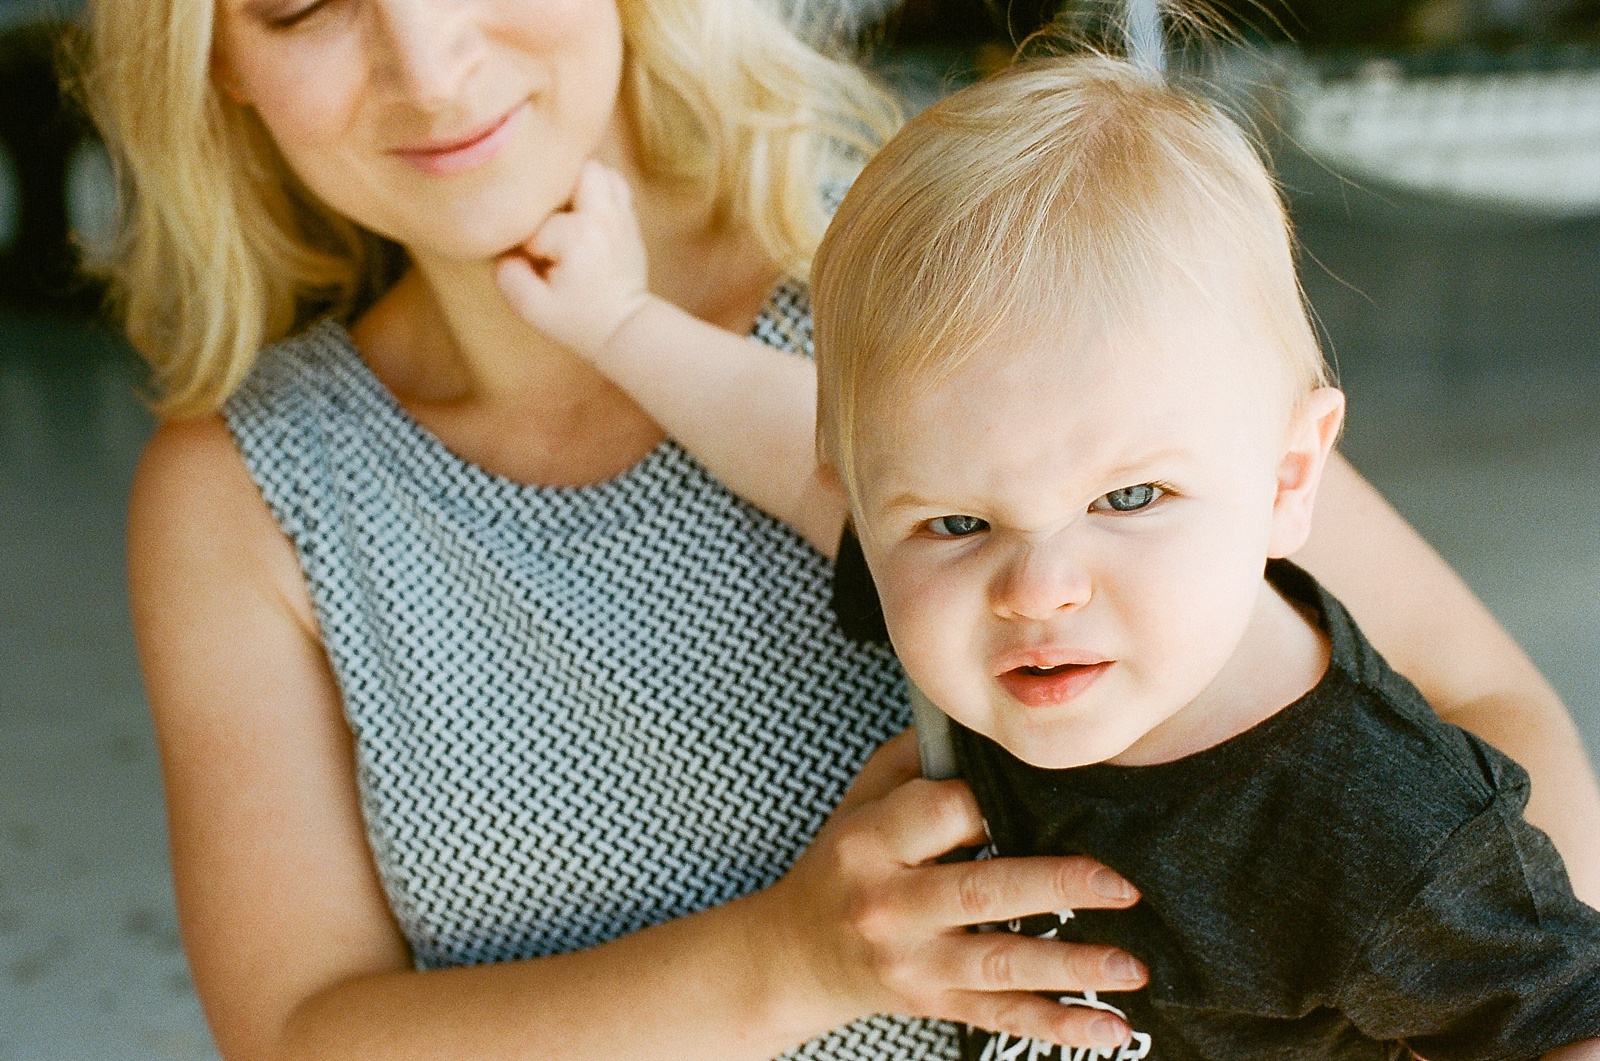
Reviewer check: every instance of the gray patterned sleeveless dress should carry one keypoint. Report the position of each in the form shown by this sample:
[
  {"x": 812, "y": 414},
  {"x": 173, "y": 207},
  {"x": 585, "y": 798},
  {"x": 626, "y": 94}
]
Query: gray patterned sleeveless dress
[{"x": 577, "y": 711}]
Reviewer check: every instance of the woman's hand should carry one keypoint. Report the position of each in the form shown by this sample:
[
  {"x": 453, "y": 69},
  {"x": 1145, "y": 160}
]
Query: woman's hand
[
  {"x": 872, "y": 923},
  {"x": 584, "y": 273}
]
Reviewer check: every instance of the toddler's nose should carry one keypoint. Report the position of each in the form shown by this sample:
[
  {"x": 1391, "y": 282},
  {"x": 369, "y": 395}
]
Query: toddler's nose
[{"x": 1041, "y": 581}]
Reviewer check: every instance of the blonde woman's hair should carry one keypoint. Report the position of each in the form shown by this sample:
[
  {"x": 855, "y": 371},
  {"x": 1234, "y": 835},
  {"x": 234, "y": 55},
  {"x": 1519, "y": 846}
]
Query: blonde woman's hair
[
  {"x": 222, "y": 251},
  {"x": 1061, "y": 189}
]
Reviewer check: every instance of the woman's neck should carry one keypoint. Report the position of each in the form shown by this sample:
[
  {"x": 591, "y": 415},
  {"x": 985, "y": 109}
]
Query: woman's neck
[{"x": 503, "y": 396}]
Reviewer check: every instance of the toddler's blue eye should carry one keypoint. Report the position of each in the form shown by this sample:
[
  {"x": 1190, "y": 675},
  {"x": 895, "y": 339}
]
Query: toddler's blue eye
[
  {"x": 956, "y": 526},
  {"x": 1132, "y": 498}
]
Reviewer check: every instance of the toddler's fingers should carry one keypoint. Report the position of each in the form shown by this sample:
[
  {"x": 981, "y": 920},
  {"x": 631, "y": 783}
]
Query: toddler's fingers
[
  {"x": 599, "y": 184},
  {"x": 622, "y": 189},
  {"x": 1029, "y": 1016},
  {"x": 554, "y": 238},
  {"x": 594, "y": 187},
  {"x": 522, "y": 286}
]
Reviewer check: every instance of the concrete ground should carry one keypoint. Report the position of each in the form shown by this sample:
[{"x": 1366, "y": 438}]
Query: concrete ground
[
  {"x": 90, "y": 965},
  {"x": 1471, "y": 352}
]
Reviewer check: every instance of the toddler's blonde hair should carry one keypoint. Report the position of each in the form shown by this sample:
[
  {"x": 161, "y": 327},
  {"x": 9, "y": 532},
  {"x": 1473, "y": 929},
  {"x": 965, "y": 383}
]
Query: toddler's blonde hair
[
  {"x": 1059, "y": 190},
  {"x": 222, "y": 250}
]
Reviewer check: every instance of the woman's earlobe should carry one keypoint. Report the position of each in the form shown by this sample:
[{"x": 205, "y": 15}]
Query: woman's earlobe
[
  {"x": 828, "y": 477},
  {"x": 226, "y": 83}
]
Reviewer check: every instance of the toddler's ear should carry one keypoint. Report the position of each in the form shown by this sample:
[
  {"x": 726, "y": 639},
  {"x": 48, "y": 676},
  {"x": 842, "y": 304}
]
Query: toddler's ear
[{"x": 1309, "y": 440}]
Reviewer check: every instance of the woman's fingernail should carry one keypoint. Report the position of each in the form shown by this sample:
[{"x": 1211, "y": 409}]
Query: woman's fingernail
[
  {"x": 1123, "y": 967},
  {"x": 1108, "y": 885},
  {"x": 1108, "y": 1032}
]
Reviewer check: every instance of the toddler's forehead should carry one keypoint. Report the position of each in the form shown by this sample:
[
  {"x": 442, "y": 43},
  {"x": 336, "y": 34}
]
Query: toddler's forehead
[
  {"x": 1183, "y": 345},
  {"x": 1113, "y": 392}
]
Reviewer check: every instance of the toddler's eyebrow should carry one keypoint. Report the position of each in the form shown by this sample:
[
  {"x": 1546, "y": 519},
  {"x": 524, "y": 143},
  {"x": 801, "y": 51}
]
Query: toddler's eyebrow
[
  {"x": 907, "y": 499},
  {"x": 1146, "y": 464}
]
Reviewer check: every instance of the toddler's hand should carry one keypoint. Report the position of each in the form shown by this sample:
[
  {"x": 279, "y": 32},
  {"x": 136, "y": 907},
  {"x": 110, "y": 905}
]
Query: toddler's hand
[{"x": 584, "y": 272}]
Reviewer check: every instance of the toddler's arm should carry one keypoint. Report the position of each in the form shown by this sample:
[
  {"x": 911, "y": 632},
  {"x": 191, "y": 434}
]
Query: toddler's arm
[
  {"x": 745, "y": 410},
  {"x": 1588, "y": 1050}
]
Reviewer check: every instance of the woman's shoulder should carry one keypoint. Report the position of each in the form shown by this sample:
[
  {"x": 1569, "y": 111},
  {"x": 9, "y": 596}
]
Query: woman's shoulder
[
  {"x": 194, "y": 507},
  {"x": 290, "y": 416},
  {"x": 188, "y": 468}
]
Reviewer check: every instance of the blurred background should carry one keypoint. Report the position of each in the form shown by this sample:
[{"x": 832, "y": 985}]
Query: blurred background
[{"x": 1442, "y": 160}]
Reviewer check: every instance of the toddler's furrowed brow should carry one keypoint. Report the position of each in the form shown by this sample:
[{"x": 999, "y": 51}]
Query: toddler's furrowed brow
[
  {"x": 907, "y": 500},
  {"x": 1141, "y": 466}
]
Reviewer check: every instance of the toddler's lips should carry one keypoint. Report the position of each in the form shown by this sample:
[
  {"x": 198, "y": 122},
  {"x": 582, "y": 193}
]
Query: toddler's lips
[{"x": 1051, "y": 686}]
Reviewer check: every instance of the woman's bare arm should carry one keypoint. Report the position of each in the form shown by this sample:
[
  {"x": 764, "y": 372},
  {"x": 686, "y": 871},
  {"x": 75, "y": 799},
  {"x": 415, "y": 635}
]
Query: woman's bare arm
[
  {"x": 292, "y": 946},
  {"x": 1432, "y": 628}
]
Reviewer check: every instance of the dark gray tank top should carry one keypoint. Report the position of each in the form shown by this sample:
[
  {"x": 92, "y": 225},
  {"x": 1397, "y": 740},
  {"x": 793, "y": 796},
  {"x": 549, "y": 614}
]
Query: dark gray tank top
[{"x": 578, "y": 712}]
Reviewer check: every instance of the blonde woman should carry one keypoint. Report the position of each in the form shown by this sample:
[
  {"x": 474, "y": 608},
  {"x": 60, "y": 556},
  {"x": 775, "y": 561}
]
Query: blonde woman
[{"x": 492, "y": 725}]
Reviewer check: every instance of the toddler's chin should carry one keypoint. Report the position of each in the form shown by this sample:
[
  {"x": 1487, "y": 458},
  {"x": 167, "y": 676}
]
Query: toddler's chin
[{"x": 1060, "y": 748}]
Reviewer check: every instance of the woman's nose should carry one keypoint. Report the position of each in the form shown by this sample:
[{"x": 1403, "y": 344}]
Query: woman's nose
[
  {"x": 425, "y": 50},
  {"x": 1040, "y": 581}
]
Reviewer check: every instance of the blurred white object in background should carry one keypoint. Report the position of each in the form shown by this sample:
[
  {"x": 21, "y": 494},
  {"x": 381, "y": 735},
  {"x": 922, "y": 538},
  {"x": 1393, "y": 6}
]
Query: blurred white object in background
[
  {"x": 91, "y": 200},
  {"x": 1525, "y": 142},
  {"x": 1147, "y": 45},
  {"x": 834, "y": 22}
]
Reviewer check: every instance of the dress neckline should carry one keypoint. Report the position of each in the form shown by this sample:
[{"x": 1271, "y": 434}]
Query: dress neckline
[
  {"x": 400, "y": 418},
  {"x": 459, "y": 467}
]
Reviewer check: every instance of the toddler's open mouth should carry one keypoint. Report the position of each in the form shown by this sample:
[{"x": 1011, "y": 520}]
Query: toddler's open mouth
[{"x": 1041, "y": 685}]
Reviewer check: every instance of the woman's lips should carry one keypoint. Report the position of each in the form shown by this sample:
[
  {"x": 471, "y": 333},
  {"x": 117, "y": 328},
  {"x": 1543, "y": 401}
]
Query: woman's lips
[
  {"x": 1039, "y": 686},
  {"x": 443, "y": 158}
]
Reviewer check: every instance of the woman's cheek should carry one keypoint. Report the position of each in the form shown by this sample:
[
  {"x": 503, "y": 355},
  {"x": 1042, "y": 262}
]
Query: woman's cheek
[{"x": 306, "y": 98}]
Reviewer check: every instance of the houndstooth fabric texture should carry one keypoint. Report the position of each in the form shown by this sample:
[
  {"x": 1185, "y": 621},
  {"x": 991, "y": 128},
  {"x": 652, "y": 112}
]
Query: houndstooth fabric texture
[{"x": 578, "y": 711}]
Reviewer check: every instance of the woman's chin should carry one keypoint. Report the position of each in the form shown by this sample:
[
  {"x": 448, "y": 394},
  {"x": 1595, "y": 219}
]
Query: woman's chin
[
  {"x": 476, "y": 226},
  {"x": 485, "y": 239}
]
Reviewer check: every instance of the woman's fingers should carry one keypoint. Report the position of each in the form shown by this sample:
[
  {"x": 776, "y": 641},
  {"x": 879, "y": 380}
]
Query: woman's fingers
[
  {"x": 891, "y": 766},
  {"x": 1005, "y": 889},
  {"x": 1028, "y": 1016},
  {"x": 1005, "y": 961},
  {"x": 921, "y": 820},
  {"x": 870, "y": 922}
]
